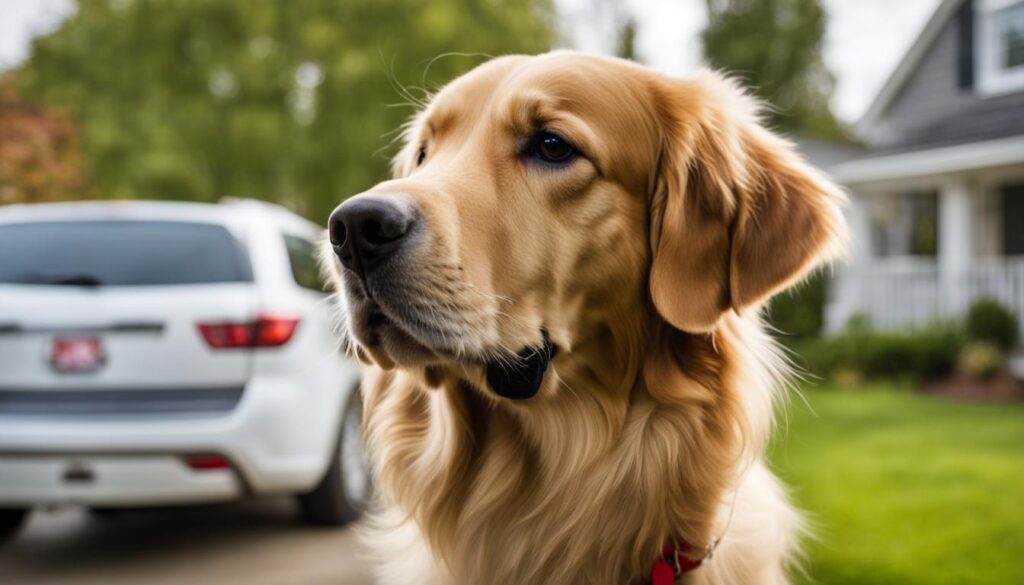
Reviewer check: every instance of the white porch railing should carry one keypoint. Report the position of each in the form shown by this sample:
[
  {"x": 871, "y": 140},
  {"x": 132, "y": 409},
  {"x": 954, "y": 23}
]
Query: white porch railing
[{"x": 904, "y": 291}]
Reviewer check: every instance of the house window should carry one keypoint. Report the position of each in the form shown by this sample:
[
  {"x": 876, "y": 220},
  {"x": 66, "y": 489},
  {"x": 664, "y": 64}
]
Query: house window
[
  {"x": 1013, "y": 218},
  {"x": 904, "y": 224},
  {"x": 1000, "y": 46},
  {"x": 1012, "y": 42}
]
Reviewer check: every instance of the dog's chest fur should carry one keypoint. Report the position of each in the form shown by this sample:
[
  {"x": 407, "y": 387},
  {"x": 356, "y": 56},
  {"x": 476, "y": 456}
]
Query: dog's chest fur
[{"x": 588, "y": 494}]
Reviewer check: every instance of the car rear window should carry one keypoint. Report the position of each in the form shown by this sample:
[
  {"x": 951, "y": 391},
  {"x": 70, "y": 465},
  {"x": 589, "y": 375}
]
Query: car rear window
[{"x": 120, "y": 253}]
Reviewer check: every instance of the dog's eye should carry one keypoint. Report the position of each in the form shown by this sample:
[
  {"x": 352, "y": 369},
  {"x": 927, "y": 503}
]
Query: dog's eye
[
  {"x": 421, "y": 156},
  {"x": 551, "y": 148}
]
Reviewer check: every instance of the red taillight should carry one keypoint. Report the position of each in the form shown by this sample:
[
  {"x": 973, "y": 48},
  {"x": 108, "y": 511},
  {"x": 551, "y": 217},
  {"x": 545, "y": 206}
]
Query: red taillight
[
  {"x": 273, "y": 330},
  {"x": 207, "y": 461},
  {"x": 268, "y": 330},
  {"x": 227, "y": 334}
]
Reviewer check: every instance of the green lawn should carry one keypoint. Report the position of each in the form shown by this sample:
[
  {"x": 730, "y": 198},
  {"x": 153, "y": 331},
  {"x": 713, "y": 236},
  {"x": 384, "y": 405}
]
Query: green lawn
[{"x": 906, "y": 489}]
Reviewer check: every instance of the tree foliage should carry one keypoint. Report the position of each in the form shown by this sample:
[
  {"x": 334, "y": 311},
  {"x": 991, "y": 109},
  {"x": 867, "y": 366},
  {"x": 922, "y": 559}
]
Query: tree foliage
[
  {"x": 39, "y": 155},
  {"x": 287, "y": 101},
  {"x": 775, "y": 47},
  {"x": 627, "y": 40}
]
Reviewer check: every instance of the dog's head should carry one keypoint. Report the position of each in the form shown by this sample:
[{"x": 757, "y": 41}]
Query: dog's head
[{"x": 539, "y": 202}]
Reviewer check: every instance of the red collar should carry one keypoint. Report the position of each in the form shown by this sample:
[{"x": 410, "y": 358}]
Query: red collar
[{"x": 673, "y": 562}]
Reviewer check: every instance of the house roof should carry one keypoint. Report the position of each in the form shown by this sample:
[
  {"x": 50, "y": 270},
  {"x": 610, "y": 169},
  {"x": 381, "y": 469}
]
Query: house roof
[
  {"x": 826, "y": 154},
  {"x": 919, "y": 125},
  {"x": 977, "y": 121},
  {"x": 1000, "y": 152},
  {"x": 911, "y": 59}
]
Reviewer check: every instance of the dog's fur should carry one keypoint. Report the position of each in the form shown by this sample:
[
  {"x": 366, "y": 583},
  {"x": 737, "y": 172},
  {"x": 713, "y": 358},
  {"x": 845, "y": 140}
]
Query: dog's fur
[{"x": 646, "y": 259}]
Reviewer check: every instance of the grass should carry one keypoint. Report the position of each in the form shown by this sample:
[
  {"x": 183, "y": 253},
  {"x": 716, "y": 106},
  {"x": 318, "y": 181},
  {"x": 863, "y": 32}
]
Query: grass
[{"x": 903, "y": 488}]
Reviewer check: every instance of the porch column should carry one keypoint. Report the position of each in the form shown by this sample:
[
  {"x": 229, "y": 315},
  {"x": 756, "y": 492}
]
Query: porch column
[
  {"x": 846, "y": 295},
  {"x": 954, "y": 242}
]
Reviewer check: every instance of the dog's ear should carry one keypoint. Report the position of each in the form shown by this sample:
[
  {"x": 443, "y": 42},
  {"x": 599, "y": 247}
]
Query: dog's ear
[{"x": 736, "y": 214}]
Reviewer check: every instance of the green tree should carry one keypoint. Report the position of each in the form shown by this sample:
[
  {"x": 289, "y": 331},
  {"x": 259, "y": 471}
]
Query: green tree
[
  {"x": 775, "y": 47},
  {"x": 285, "y": 101},
  {"x": 627, "y": 40}
]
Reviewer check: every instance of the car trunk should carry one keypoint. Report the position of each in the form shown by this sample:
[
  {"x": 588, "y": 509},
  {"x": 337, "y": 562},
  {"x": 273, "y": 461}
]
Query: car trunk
[{"x": 96, "y": 317}]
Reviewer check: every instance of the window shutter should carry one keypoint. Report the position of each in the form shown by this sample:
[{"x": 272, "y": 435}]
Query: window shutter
[{"x": 966, "y": 53}]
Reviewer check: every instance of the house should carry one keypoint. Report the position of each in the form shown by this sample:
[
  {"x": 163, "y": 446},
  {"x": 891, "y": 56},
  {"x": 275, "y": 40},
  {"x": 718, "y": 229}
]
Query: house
[{"x": 937, "y": 196}]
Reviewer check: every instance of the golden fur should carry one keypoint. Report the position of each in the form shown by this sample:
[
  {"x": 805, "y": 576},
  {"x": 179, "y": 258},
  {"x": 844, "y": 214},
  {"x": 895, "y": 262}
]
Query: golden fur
[{"x": 646, "y": 259}]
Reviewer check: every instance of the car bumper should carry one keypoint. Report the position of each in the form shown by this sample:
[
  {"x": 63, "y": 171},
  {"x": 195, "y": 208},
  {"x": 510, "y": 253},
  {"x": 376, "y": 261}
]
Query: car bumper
[
  {"x": 278, "y": 439},
  {"x": 111, "y": 480}
]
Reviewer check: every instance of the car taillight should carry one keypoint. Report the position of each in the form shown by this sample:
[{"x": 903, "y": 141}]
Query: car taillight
[
  {"x": 273, "y": 330},
  {"x": 268, "y": 330},
  {"x": 207, "y": 461}
]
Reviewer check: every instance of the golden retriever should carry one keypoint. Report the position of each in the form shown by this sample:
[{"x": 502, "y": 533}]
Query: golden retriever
[{"x": 556, "y": 299}]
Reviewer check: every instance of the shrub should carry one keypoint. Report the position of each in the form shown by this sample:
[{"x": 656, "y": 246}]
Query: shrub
[
  {"x": 980, "y": 359},
  {"x": 859, "y": 323},
  {"x": 925, "y": 353},
  {"x": 987, "y": 320},
  {"x": 799, "y": 312}
]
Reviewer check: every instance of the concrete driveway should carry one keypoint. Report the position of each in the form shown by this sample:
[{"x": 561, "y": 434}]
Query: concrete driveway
[{"x": 259, "y": 542}]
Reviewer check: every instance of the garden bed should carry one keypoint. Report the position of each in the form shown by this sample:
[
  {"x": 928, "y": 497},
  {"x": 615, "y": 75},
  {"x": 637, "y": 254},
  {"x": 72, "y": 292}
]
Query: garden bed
[{"x": 1000, "y": 387}]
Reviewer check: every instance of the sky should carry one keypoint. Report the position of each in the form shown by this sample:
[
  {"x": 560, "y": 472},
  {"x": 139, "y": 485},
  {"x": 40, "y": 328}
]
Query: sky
[{"x": 864, "y": 41}]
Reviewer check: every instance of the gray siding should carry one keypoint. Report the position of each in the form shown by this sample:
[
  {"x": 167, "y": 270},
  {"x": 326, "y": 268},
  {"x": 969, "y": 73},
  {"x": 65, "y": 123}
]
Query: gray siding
[
  {"x": 933, "y": 110},
  {"x": 825, "y": 154}
]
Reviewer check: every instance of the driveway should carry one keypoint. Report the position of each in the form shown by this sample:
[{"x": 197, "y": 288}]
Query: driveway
[{"x": 257, "y": 542}]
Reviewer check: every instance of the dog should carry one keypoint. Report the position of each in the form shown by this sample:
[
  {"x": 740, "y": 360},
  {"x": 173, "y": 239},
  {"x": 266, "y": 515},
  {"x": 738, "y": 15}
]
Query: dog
[{"x": 556, "y": 299}]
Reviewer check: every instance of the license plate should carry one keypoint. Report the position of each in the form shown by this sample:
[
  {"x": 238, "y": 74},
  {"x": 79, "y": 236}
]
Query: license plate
[{"x": 70, "y": 355}]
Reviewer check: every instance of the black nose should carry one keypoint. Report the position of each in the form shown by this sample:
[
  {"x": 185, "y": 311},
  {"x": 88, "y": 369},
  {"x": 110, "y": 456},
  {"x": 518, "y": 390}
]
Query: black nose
[{"x": 365, "y": 231}]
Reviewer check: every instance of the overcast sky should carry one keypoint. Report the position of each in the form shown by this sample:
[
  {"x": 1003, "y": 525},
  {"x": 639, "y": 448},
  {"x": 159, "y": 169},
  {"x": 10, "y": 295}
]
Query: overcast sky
[{"x": 865, "y": 38}]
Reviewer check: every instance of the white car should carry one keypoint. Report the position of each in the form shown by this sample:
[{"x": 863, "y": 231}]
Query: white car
[{"x": 156, "y": 353}]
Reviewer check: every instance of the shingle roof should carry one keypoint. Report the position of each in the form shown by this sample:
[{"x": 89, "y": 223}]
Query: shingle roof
[
  {"x": 825, "y": 154},
  {"x": 992, "y": 118}
]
